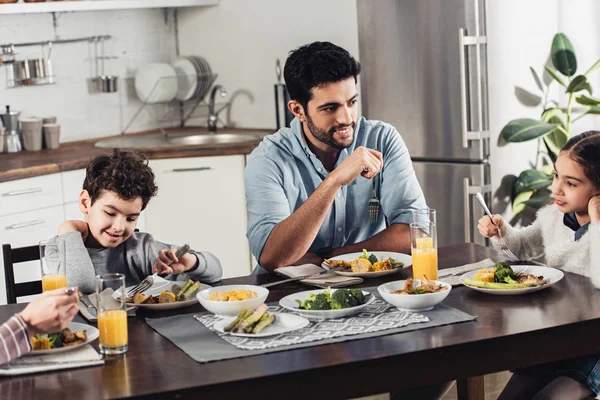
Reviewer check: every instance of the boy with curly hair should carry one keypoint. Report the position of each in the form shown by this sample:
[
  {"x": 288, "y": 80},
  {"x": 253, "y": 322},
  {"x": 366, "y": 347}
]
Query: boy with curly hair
[{"x": 116, "y": 189}]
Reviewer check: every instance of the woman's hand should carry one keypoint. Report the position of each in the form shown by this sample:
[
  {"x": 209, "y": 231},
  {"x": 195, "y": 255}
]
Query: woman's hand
[
  {"x": 594, "y": 208},
  {"x": 489, "y": 229},
  {"x": 50, "y": 312}
]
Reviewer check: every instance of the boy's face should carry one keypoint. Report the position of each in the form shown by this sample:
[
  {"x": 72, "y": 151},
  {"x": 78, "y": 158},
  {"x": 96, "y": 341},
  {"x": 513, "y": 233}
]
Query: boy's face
[{"x": 111, "y": 219}]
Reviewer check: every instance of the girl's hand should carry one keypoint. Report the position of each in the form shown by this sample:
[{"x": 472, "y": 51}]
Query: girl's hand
[
  {"x": 594, "y": 208},
  {"x": 489, "y": 229}
]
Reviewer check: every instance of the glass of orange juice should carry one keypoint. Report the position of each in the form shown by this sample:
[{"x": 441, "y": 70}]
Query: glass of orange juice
[
  {"x": 423, "y": 243},
  {"x": 53, "y": 258},
  {"x": 112, "y": 315}
]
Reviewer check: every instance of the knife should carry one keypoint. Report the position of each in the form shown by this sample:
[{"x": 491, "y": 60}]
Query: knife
[
  {"x": 48, "y": 363},
  {"x": 299, "y": 278},
  {"x": 89, "y": 307}
]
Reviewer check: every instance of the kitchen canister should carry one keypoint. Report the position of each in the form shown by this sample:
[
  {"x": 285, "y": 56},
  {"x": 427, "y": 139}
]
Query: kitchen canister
[
  {"x": 52, "y": 136},
  {"x": 31, "y": 130}
]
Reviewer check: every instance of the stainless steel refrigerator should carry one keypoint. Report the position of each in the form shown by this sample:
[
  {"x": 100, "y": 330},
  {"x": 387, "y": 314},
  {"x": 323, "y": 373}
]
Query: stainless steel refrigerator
[{"x": 424, "y": 70}]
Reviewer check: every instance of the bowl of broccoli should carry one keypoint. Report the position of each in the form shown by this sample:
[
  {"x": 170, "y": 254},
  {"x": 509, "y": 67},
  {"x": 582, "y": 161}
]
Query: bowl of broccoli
[{"x": 327, "y": 303}]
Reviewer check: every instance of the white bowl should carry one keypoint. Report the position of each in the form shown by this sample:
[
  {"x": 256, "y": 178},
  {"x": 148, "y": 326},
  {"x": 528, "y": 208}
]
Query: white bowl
[
  {"x": 412, "y": 302},
  {"x": 231, "y": 308}
]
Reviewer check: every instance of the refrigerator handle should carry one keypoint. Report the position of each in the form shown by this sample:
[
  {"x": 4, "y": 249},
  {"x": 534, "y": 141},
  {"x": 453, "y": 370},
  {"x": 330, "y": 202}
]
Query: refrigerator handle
[
  {"x": 468, "y": 192},
  {"x": 465, "y": 41}
]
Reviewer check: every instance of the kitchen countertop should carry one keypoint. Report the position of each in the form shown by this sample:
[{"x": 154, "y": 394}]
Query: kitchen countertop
[{"x": 76, "y": 155}]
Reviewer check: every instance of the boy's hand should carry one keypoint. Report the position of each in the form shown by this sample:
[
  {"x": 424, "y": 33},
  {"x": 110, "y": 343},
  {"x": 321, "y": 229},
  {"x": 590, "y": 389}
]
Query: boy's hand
[
  {"x": 167, "y": 262},
  {"x": 74, "y": 226},
  {"x": 594, "y": 208},
  {"x": 489, "y": 229}
]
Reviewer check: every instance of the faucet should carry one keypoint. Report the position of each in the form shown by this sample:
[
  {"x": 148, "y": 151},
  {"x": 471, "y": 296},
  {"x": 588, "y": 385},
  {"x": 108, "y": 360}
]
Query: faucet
[{"x": 213, "y": 116}]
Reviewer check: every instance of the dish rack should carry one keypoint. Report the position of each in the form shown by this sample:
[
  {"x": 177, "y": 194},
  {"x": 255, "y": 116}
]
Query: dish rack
[{"x": 182, "y": 110}]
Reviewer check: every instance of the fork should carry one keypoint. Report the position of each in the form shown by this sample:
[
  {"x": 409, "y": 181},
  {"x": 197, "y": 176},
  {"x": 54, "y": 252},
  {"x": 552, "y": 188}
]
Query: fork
[
  {"x": 374, "y": 205},
  {"x": 149, "y": 281},
  {"x": 502, "y": 242}
]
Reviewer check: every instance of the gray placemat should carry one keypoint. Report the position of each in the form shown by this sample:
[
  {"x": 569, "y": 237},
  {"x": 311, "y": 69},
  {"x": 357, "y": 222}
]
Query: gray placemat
[{"x": 204, "y": 345}]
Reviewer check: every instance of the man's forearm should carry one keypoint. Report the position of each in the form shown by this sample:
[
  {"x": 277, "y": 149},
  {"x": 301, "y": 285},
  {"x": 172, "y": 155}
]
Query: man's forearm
[
  {"x": 395, "y": 237},
  {"x": 291, "y": 238}
]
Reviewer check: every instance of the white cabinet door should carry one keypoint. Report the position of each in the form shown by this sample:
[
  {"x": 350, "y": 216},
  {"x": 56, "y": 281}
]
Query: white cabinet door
[
  {"x": 30, "y": 194},
  {"x": 72, "y": 185},
  {"x": 201, "y": 201},
  {"x": 26, "y": 229}
]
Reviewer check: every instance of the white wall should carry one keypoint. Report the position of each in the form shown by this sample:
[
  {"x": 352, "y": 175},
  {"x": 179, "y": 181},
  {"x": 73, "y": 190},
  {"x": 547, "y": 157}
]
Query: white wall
[
  {"x": 139, "y": 36},
  {"x": 241, "y": 39}
]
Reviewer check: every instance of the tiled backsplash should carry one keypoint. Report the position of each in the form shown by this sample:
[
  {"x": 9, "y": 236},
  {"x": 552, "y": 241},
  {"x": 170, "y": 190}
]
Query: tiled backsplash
[{"x": 138, "y": 37}]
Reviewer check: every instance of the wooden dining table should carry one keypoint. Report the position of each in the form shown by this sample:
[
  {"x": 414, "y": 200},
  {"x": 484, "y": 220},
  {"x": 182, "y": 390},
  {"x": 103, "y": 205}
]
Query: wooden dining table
[{"x": 559, "y": 322}]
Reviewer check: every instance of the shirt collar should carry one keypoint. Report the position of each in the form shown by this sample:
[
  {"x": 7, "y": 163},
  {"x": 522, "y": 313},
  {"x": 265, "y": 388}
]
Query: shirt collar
[{"x": 570, "y": 220}]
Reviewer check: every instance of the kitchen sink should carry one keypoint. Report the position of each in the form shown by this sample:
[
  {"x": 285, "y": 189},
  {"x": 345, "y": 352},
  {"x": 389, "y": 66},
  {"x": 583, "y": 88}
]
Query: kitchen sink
[{"x": 179, "y": 140}]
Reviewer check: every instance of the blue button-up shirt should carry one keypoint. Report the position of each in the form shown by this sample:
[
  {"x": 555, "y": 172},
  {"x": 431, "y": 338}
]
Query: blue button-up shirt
[{"x": 282, "y": 172}]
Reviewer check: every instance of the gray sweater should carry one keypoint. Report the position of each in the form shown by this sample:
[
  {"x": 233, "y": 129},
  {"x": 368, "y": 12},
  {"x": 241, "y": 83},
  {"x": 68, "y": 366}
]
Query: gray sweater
[{"x": 134, "y": 258}]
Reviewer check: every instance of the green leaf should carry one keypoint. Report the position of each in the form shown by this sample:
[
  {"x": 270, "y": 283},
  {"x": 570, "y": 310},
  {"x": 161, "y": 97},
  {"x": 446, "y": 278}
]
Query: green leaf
[
  {"x": 555, "y": 116},
  {"x": 593, "y": 68},
  {"x": 555, "y": 141},
  {"x": 587, "y": 100},
  {"x": 579, "y": 83},
  {"x": 524, "y": 129},
  {"x": 517, "y": 205},
  {"x": 538, "y": 202},
  {"x": 554, "y": 73},
  {"x": 532, "y": 179},
  {"x": 594, "y": 110},
  {"x": 563, "y": 55},
  {"x": 538, "y": 82}
]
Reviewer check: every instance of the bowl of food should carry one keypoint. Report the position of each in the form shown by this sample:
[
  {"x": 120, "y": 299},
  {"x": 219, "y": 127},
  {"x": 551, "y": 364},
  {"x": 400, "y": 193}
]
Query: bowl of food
[
  {"x": 229, "y": 300},
  {"x": 414, "y": 294}
]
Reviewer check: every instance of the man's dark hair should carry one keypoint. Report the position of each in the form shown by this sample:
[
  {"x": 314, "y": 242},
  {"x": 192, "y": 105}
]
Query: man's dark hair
[
  {"x": 314, "y": 65},
  {"x": 125, "y": 173}
]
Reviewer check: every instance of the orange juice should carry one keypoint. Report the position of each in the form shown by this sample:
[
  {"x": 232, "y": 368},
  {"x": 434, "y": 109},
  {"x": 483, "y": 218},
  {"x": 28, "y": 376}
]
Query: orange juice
[
  {"x": 112, "y": 325},
  {"x": 424, "y": 259},
  {"x": 53, "y": 281}
]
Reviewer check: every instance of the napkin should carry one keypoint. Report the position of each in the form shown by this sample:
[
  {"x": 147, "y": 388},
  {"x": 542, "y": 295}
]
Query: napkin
[
  {"x": 323, "y": 281},
  {"x": 84, "y": 356},
  {"x": 107, "y": 295},
  {"x": 455, "y": 279}
]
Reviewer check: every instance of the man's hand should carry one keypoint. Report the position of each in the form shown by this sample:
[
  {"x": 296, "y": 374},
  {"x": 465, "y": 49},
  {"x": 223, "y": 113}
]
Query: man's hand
[
  {"x": 362, "y": 161},
  {"x": 50, "y": 312},
  {"x": 594, "y": 208},
  {"x": 168, "y": 263},
  {"x": 74, "y": 226}
]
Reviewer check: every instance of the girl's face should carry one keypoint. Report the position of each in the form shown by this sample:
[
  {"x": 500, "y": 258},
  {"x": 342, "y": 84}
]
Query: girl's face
[{"x": 571, "y": 188}]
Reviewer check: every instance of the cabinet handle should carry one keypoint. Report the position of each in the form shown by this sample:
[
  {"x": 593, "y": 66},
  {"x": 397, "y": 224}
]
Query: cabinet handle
[
  {"x": 26, "y": 224},
  {"x": 192, "y": 169},
  {"x": 23, "y": 191}
]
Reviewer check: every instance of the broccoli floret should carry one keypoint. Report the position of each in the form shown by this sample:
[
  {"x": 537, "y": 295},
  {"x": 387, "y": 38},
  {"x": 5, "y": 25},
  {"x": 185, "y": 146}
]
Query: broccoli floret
[
  {"x": 55, "y": 340},
  {"x": 503, "y": 273},
  {"x": 373, "y": 259},
  {"x": 365, "y": 255},
  {"x": 395, "y": 263},
  {"x": 358, "y": 295},
  {"x": 322, "y": 301},
  {"x": 342, "y": 298}
]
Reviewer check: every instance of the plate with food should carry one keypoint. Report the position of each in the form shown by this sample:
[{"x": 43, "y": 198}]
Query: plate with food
[
  {"x": 368, "y": 264},
  {"x": 180, "y": 294},
  {"x": 260, "y": 323},
  {"x": 506, "y": 279},
  {"x": 327, "y": 303},
  {"x": 230, "y": 300},
  {"x": 72, "y": 337},
  {"x": 414, "y": 294}
]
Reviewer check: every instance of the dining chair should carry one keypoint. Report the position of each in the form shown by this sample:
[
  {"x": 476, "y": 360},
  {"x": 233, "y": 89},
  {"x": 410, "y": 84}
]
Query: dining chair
[{"x": 16, "y": 256}]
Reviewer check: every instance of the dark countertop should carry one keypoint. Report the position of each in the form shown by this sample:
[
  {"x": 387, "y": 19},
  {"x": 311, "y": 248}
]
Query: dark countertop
[{"x": 76, "y": 155}]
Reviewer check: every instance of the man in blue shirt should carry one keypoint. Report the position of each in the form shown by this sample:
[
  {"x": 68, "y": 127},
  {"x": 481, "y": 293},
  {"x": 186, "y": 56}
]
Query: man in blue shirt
[{"x": 308, "y": 186}]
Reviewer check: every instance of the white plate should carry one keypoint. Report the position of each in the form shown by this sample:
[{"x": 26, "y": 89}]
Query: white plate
[
  {"x": 289, "y": 302},
  {"x": 284, "y": 322},
  {"x": 552, "y": 274},
  {"x": 381, "y": 255},
  {"x": 155, "y": 291},
  {"x": 92, "y": 334},
  {"x": 187, "y": 79}
]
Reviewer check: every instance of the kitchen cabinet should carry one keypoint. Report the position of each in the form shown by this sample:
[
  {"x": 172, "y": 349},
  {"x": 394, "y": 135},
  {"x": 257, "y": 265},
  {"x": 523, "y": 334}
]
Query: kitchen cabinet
[
  {"x": 201, "y": 201},
  {"x": 99, "y": 5},
  {"x": 30, "y": 194}
]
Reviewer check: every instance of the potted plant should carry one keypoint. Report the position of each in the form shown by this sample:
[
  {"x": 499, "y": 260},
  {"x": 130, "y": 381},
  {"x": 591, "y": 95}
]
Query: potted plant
[{"x": 552, "y": 131}]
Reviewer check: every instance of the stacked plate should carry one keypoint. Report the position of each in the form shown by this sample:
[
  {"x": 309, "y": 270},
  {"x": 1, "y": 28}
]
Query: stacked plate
[
  {"x": 194, "y": 77},
  {"x": 156, "y": 83}
]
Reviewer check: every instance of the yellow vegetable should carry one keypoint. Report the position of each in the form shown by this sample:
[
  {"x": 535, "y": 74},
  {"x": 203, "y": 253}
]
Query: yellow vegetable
[
  {"x": 167, "y": 297},
  {"x": 485, "y": 275}
]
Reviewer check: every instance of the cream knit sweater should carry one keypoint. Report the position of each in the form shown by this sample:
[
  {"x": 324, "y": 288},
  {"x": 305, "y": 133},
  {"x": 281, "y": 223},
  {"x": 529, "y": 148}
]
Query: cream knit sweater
[{"x": 550, "y": 241}]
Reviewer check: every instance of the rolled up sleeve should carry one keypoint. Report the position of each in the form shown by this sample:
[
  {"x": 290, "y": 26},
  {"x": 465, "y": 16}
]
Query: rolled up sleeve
[
  {"x": 266, "y": 200},
  {"x": 400, "y": 189}
]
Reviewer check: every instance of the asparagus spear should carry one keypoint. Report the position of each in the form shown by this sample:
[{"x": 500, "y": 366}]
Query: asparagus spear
[
  {"x": 263, "y": 323},
  {"x": 190, "y": 291},
  {"x": 241, "y": 316},
  {"x": 184, "y": 288},
  {"x": 495, "y": 285},
  {"x": 252, "y": 319},
  {"x": 249, "y": 328}
]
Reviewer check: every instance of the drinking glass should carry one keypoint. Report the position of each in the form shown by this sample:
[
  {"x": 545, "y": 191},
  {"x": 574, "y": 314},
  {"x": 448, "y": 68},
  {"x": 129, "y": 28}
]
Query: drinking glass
[
  {"x": 112, "y": 314},
  {"x": 423, "y": 244},
  {"x": 53, "y": 259},
  {"x": 424, "y": 215}
]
